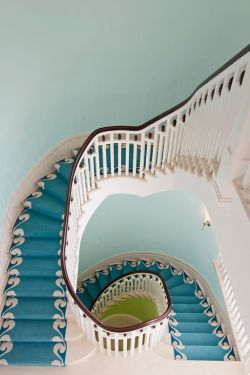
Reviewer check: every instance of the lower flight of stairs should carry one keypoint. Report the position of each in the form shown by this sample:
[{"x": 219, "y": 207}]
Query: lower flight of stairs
[
  {"x": 196, "y": 333},
  {"x": 33, "y": 317}
]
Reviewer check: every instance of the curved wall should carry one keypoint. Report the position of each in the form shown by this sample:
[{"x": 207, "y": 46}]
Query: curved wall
[
  {"x": 68, "y": 67},
  {"x": 168, "y": 223}
]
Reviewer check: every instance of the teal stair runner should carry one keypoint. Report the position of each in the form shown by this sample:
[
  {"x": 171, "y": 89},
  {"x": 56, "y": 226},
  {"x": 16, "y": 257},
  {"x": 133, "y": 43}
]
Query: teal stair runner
[
  {"x": 196, "y": 333},
  {"x": 33, "y": 323}
]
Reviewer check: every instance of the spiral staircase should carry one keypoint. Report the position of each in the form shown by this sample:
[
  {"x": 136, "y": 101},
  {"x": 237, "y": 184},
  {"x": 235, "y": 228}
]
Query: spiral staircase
[
  {"x": 42, "y": 271},
  {"x": 196, "y": 333}
]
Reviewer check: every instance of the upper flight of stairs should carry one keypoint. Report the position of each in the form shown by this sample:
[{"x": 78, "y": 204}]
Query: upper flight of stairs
[{"x": 196, "y": 332}]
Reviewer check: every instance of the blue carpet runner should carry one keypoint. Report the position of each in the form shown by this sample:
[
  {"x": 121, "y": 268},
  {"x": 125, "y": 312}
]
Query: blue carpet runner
[
  {"x": 196, "y": 333},
  {"x": 33, "y": 322}
]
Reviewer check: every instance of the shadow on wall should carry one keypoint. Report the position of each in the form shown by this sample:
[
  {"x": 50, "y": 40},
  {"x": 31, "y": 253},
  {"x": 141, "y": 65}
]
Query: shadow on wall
[{"x": 169, "y": 223}]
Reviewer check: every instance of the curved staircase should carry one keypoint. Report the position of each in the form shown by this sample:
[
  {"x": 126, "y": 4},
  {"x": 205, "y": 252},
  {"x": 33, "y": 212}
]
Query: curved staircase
[
  {"x": 196, "y": 332},
  {"x": 33, "y": 313},
  {"x": 33, "y": 317}
]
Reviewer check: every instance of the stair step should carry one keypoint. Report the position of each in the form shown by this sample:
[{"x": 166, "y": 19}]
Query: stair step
[
  {"x": 55, "y": 185},
  {"x": 85, "y": 297},
  {"x": 44, "y": 203},
  {"x": 142, "y": 265},
  {"x": 35, "y": 287},
  {"x": 115, "y": 271},
  {"x": 188, "y": 308},
  {"x": 191, "y": 317},
  {"x": 166, "y": 273},
  {"x": 34, "y": 308},
  {"x": 204, "y": 353},
  {"x": 34, "y": 266},
  {"x": 199, "y": 339},
  {"x": 64, "y": 167},
  {"x": 93, "y": 288},
  {"x": 36, "y": 247},
  {"x": 103, "y": 279},
  {"x": 185, "y": 299},
  {"x": 155, "y": 267},
  {"x": 36, "y": 225},
  {"x": 175, "y": 281},
  {"x": 182, "y": 290},
  {"x": 34, "y": 353},
  {"x": 194, "y": 327},
  {"x": 128, "y": 266},
  {"x": 30, "y": 330}
]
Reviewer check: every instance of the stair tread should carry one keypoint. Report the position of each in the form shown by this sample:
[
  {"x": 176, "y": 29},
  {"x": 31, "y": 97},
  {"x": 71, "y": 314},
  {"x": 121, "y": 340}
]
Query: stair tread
[
  {"x": 55, "y": 185},
  {"x": 30, "y": 266},
  {"x": 199, "y": 339},
  {"x": 34, "y": 224},
  {"x": 25, "y": 286},
  {"x": 34, "y": 308},
  {"x": 207, "y": 353},
  {"x": 35, "y": 353},
  {"x": 65, "y": 167},
  {"x": 42, "y": 202},
  {"x": 45, "y": 330},
  {"x": 35, "y": 247}
]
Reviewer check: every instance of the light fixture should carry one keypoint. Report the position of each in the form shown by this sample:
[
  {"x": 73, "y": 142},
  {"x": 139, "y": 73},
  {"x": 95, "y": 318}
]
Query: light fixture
[{"x": 206, "y": 222}]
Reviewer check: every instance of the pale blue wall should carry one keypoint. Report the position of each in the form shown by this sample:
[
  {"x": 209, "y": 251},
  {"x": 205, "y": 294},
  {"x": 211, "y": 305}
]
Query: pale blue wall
[
  {"x": 68, "y": 66},
  {"x": 169, "y": 223}
]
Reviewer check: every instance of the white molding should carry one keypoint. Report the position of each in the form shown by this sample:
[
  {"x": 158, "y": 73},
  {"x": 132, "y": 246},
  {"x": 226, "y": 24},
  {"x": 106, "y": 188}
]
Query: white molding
[{"x": 29, "y": 183}]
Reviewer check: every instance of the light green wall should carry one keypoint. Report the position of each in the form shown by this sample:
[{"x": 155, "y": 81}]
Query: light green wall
[
  {"x": 168, "y": 223},
  {"x": 68, "y": 66}
]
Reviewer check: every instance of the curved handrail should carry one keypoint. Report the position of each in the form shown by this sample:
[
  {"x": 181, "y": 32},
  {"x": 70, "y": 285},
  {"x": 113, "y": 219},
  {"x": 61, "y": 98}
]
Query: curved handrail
[
  {"x": 78, "y": 158},
  {"x": 146, "y": 322}
]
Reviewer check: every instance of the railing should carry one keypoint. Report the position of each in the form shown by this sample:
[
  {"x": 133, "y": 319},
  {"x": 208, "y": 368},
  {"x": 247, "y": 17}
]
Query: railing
[
  {"x": 239, "y": 331},
  {"x": 125, "y": 340},
  {"x": 138, "y": 337},
  {"x": 194, "y": 136},
  {"x": 136, "y": 282}
]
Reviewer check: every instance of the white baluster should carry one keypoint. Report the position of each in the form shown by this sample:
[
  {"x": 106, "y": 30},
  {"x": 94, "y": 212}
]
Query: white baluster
[
  {"x": 142, "y": 155},
  {"x": 104, "y": 158},
  {"x": 97, "y": 160},
  {"x": 127, "y": 155},
  {"x": 112, "y": 155},
  {"x": 92, "y": 172},
  {"x": 155, "y": 146},
  {"x": 87, "y": 173},
  {"x": 119, "y": 158},
  {"x": 134, "y": 158}
]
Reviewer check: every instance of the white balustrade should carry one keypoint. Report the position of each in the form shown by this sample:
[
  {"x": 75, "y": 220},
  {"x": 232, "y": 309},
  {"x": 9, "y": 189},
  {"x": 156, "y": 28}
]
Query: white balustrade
[
  {"x": 239, "y": 331},
  {"x": 194, "y": 136},
  {"x": 129, "y": 285}
]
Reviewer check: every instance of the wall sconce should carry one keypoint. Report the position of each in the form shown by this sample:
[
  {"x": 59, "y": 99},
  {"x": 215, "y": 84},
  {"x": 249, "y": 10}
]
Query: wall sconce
[{"x": 206, "y": 222}]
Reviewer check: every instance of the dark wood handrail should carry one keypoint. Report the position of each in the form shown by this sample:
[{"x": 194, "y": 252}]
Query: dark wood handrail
[
  {"x": 130, "y": 273},
  {"x": 77, "y": 160},
  {"x": 146, "y": 322}
]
